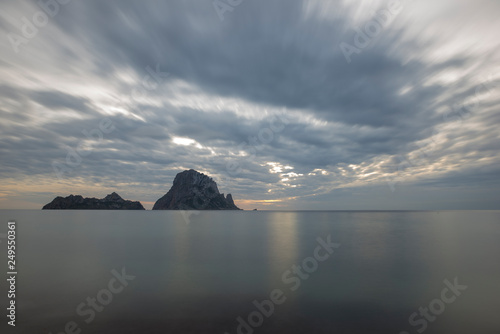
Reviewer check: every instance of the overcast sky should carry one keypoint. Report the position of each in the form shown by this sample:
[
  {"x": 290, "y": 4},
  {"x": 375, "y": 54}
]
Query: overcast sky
[{"x": 286, "y": 104}]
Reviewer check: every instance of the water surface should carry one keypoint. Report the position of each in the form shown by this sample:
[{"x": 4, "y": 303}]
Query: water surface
[{"x": 198, "y": 275}]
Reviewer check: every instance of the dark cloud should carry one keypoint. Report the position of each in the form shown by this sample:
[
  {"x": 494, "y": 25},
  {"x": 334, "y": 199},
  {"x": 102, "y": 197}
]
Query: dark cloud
[{"x": 58, "y": 100}]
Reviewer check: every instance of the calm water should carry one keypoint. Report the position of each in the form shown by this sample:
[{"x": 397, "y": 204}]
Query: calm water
[{"x": 200, "y": 275}]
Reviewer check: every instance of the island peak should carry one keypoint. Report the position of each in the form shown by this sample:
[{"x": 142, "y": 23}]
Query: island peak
[{"x": 192, "y": 190}]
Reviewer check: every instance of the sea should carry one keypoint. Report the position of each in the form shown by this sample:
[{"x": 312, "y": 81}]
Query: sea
[{"x": 391, "y": 272}]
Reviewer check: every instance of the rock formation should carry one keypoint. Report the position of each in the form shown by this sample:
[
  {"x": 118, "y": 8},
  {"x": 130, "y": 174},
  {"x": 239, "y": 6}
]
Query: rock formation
[
  {"x": 76, "y": 202},
  {"x": 192, "y": 190}
]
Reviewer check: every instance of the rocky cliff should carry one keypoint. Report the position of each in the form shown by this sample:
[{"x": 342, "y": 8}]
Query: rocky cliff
[
  {"x": 192, "y": 190},
  {"x": 76, "y": 202}
]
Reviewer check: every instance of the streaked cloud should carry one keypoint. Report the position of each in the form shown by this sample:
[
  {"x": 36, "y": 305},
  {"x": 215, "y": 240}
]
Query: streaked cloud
[{"x": 265, "y": 101}]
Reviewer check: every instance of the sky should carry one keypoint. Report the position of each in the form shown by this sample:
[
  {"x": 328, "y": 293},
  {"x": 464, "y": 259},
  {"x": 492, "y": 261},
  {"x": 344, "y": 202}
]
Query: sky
[{"x": 288, "y": 105}]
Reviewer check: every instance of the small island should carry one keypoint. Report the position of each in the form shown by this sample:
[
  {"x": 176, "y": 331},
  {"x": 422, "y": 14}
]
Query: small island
[{"x": 112, "y": 201}]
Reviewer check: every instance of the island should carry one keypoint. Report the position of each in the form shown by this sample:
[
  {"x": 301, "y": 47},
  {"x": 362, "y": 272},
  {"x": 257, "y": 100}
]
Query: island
[
  {"x": 112, "y": 201},
  {"x": 192, "y": 190}
]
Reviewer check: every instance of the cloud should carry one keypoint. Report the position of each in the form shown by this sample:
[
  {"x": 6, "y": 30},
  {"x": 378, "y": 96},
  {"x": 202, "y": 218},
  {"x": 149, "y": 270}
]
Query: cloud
[{"x": 418, "y": 105}]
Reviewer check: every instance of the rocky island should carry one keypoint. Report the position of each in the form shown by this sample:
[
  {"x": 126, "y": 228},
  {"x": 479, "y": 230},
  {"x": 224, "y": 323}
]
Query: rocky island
[
  {"x": 192, "y": 190},
  {"x": 112, "y": 201}
]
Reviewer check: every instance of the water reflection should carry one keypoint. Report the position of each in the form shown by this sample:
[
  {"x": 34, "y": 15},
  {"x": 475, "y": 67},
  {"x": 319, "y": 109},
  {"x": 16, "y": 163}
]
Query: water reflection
[{"x": 283, "y": 242}]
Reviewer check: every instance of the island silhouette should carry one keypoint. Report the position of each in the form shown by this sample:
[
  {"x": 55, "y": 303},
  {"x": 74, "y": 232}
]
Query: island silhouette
[{"x": 191, "y": 190}]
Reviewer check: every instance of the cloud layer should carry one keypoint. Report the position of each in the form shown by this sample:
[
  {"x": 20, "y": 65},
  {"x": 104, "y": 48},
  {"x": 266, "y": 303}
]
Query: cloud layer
[{"x": 121, "y": 96}]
